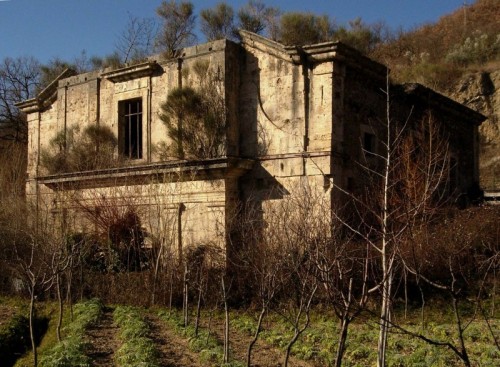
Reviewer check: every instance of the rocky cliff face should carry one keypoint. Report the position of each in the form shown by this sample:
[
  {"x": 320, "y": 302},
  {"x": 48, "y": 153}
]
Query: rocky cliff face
[{"x": 481, "y": 92}]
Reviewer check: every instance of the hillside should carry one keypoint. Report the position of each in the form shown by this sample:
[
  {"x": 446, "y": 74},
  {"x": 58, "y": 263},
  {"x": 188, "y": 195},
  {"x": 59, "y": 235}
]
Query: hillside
[{"x": 459, "y": 56}]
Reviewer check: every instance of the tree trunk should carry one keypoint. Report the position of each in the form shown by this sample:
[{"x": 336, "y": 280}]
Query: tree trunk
[
  {"x": 185, "y": 297},
  {"x": 171, "y": 295},
  {"x": 256, "y": 335},
  {"x": 32, "y": 327},
  {"x": 155, "y": 274},
  {"x": 386, "y": 259},
  {"x": 463, "y": 350},
  {"x": 69, "y": 292},
  {"x": 344, "y": 327},
  {"x": 385, "y": 315},
  {"x": 297, "y": 330},
  {"x": 225, "y": 357},
  {"x": 60, "y": 304},
  {"x": 198, "y": 311},
  {"x": 290, "y": 345}
]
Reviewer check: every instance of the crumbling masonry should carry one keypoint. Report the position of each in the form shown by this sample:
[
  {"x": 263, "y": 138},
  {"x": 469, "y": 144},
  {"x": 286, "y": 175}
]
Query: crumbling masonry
[{"x": 295, "y": 116}]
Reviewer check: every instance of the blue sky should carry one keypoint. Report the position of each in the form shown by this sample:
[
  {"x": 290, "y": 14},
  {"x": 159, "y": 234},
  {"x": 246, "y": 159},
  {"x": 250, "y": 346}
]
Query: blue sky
[{"x": 64, "y": 28}]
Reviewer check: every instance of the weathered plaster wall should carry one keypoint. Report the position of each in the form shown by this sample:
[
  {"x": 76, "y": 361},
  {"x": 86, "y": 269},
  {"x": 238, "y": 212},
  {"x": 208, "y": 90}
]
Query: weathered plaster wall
[
  {"x": 195, "y": 208},
  {"x": 302, "y": 119},
  {"x": 93, "y": 98}
]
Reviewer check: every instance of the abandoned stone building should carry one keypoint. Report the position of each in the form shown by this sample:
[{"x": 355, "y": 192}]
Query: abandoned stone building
[{"x": 292, "y": 116}]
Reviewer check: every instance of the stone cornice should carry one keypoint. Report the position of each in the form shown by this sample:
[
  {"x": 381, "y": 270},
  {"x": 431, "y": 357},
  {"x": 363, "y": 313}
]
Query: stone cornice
[
  {"x": 209, "y": 169},
  {"x": 264, "y": 44},
  {"x": 132, "y": 72},
  {"x": 46, "y": 97},
  {"x": 435, "y": 99},
  {"x": 314, "y": 54}
]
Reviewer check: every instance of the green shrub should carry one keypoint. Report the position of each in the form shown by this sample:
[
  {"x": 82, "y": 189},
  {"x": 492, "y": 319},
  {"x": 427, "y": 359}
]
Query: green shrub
[
  {"x": 137, "y": 348},
  {"x": 70, "y": 352},
  {"x": 478, "y": 48},
  {"x": 72, "y": 151},
  {"x": 208, "y": 346}
]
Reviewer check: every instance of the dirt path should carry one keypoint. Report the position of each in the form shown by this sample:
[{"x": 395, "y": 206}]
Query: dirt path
[
  {"x": 103, "y": 340},
  {"x": 263, "y": 354},
  {"x": 174, "y": 351}
]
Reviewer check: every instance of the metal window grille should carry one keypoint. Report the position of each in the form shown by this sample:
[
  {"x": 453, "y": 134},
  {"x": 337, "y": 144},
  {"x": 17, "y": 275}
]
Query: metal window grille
[{"x": 132, "y": 129}]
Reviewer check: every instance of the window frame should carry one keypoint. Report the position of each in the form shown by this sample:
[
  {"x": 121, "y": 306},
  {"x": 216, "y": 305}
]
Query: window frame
[
  {"x": 131, "y": 128},
  {"x": 368, "y": 133}
]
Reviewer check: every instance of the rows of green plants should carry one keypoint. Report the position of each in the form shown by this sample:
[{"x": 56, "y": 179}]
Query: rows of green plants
[
  {"x": 319, "y": 342},
  {"x": 205, "y": 342},
  {"x": 70, "y": 351},
  {"x": 137, "y": 348}
]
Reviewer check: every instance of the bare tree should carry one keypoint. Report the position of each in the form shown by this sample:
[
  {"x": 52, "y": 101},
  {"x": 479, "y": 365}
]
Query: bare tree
[
  {"x": 29, "y": 260},
  {"x": 403, "y": 190},
  {"x": 19, "y": 80},
  {"x": 264, "y": 273},
  {"x": 162, "y": 220},
  {"x": 343, "y": 272},
  {"x": 178, "y": 26},
  {"x": 12, "y": 170},
  {"x": 273, "y": 23},
  {"x": 293, "y": 226},
  {"x": 462, "y": 254},
  {"x": 136, "y": 42}
]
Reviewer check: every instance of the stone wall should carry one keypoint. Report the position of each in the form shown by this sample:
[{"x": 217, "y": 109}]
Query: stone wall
[
  {"x": 479, "y": 91},
  {"x": 196, "y": 207},
  {"x": 298, "y": 120}
]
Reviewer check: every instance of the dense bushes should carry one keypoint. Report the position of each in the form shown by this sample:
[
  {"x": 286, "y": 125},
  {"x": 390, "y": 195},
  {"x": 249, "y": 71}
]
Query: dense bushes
[
  {"x": 196, "y": 119},
  {"x": 74, "y": 151},
  {"x": 478, "y": 48}
]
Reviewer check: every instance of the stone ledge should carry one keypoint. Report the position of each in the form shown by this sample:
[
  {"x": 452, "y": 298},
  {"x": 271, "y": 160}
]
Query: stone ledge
[
  {"x": 131, "y": 72},
  {"x": 209, "y": 169},
  {"x": 46, "y": 97}
]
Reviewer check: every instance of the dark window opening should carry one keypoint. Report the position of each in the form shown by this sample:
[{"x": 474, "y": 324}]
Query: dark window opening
[
  {"x": 350, "y": 183},
  {"x": 130, "y": 131},
  {"x": 369, "y": 143}
]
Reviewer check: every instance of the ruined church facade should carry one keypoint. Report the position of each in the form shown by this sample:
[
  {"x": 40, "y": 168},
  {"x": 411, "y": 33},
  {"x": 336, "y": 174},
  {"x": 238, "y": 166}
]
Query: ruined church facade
[{"x": 294, "y": 116}]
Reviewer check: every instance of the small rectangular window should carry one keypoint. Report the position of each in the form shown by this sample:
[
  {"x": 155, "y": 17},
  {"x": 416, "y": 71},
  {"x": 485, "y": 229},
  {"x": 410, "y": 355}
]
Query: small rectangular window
[
  {"x": 369, "y": 143},
  {"x": 130, "y": 129}
]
